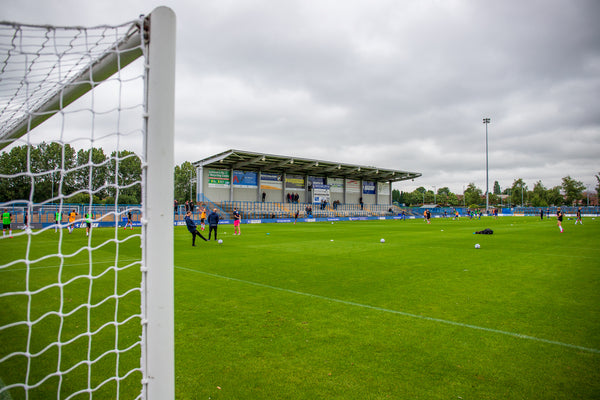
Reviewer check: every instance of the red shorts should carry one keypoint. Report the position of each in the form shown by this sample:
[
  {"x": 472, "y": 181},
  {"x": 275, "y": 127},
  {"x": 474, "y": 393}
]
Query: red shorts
[{"x": 236, "y": 222}]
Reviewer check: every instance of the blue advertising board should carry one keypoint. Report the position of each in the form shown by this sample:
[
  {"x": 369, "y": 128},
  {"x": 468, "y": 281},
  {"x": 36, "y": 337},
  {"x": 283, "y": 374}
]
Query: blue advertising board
[
  {"x": 368, "y": 187},
  {"x": 245, "y": 179}
]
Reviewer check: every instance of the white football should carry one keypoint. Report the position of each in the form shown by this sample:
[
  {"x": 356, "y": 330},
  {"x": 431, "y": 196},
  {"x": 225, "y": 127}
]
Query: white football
[
  {"x": 382, "y": 240},
  {"x": 477, "y": 246},
  {"x": 220, "y": 241}
]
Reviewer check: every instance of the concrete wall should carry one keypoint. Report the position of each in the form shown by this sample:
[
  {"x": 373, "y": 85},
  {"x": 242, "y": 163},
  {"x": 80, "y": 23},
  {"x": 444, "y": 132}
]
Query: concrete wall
[{"x": 245, "y": 194}]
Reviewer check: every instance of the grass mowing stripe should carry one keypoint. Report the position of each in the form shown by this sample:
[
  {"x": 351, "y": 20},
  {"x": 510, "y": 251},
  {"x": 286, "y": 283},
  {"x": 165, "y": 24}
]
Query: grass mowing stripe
[{"x": 443, "y": 321}]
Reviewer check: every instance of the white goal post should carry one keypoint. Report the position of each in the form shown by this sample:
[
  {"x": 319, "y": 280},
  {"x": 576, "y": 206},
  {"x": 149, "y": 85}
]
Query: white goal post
[{"x": 72, "y": 89}]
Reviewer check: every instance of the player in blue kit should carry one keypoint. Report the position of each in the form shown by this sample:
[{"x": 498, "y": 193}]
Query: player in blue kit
[{"x": 192, "y": 228}]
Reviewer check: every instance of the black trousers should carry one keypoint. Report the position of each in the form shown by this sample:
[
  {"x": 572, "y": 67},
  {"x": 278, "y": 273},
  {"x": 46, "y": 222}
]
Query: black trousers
[
  {"x": 194, "y": 234},
  {"x": 212, "y": 228}
]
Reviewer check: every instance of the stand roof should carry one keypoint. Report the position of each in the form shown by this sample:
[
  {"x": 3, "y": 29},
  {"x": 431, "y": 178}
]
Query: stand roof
[{"x": 249, "y": 161}]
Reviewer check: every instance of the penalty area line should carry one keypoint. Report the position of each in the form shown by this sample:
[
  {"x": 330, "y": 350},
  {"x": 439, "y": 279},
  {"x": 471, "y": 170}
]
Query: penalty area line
[{"x": 405, "y": 314}]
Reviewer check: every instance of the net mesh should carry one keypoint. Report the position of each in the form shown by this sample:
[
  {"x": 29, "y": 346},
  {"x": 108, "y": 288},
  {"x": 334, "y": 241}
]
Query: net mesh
[{"x": 71, "y": 286}]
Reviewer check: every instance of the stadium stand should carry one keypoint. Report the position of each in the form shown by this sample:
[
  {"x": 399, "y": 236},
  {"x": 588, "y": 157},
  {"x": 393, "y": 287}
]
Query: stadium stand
[{"x": 293, "y": 183}]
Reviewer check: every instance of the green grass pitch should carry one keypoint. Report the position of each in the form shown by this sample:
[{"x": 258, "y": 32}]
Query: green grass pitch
[{"x": 327, "y": 311}]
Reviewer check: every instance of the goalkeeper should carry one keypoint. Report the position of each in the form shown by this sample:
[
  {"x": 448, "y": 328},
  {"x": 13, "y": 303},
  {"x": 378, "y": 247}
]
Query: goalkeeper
[
  {"x": 192, "y": 228},
  {"x": 6, "y": 220},
  {"x": 57, "y": 220}
]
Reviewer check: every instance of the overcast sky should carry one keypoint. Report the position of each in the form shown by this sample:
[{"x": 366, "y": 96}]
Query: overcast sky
[{"x": 401, "y": 84}]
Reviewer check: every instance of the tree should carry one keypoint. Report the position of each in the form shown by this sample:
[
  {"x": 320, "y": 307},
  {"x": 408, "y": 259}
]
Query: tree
[
  {"x": 413, "y": 198},
  {"x": 430, "y": 197},
  {"x": 403, "y": 198},
  {"x": 494, "y": 199},
  {"x": 553, "y": 196},
  {"x": 518, "y": 191},
  {"x": 453, "y": 200},
  {"x": 184, "y": 190},
  {"x": 93, "y": 171},
  {"x": 45, "y": 167},
  {"x": 395, "y": 195},
  {"x": 473, "y": 195},
  {"x": 539, "y": 195},
  {"x": 597, "y": 187},
  {"x": 573, "y": 190},
  {"x": 125, "y": 174},
  {"x": 54, "y": 160},
  {"x": 442, "y": 196},
  {"x": 443, "y": 191},
  {"x": 16, "y": 187},
  {"x": 497, "y": 188}
]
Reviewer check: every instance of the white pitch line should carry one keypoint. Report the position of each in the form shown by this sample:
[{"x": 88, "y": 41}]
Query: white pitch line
[
  {"x": 513, "y": 249},
  {"x": 443, "y": 321}
]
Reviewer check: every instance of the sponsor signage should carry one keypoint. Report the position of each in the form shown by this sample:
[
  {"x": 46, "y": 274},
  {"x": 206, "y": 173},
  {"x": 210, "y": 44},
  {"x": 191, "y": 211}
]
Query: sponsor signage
[
  {"x": 368, "y": 187},
  {"x": 336, "y": 185},
  {"x": 294, "y": 182},
  {"x": 83, "y": 225},
  {"x": 383, "y": 188},
  {"x": 320, "y": 193},
  {"x": 219, "y": 178},
  {"x": 316, "y": 179},
  {"x": 245, "y": 179},
  {"x": 352, "y": 186},
  {"x": 270, "y": 181}
]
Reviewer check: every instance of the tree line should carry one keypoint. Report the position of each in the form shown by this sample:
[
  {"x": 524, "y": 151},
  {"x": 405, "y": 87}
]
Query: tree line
[
  {"x": 50, "y": 170},
  {"x": 53, "y": 169},
  {"x": 80, "y": 176},
  {"x": 569, "y": 193}
]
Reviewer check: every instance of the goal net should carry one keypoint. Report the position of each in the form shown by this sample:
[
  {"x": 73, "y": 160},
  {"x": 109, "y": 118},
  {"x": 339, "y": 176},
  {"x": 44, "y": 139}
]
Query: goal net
[{"x": 86, "y": 186}]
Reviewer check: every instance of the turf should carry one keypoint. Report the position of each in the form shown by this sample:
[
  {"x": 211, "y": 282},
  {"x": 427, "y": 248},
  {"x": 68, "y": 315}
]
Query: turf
[
  {"x": 63, "y": 333},
  {"x": 326, "y": 311}
]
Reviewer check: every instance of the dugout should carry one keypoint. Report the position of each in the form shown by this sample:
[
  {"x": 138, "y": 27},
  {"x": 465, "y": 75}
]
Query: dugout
[{"x": 236, "y": 175}]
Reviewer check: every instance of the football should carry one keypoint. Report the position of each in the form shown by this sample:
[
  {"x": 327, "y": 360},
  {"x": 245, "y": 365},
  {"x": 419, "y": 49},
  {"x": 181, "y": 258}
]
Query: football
[
  {"x": 477, "y": 246},
  {"x": 220, "y": 241},
  {"x": 382, "y": 240}
]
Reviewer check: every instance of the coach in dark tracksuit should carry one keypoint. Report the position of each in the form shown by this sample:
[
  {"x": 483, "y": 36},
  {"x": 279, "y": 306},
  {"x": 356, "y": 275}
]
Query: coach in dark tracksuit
[
  {"x": 213, "y": 223},
  {"x": 192, "y": 228}
]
